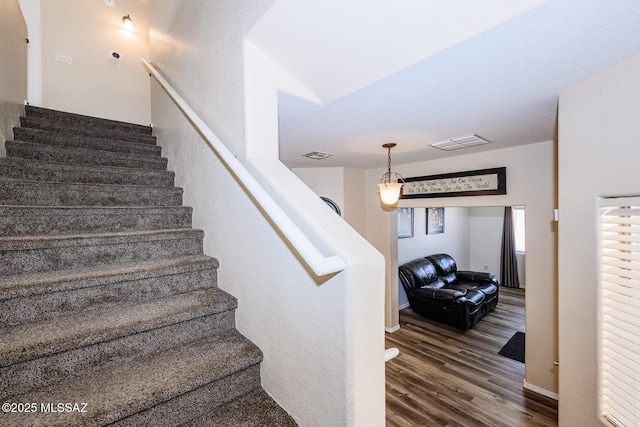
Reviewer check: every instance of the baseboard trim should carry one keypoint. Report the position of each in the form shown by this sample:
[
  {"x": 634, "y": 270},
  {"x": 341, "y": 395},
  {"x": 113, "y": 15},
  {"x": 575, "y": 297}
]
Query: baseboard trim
[
  {"x": 540, "y": 391},
  {"x": 393, "y": 329},
  {"x": 403, "y": 306}
]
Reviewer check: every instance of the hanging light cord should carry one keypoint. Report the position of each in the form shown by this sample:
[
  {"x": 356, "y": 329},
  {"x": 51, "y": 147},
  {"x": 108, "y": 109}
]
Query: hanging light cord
[
  {"x": 389, "y": 164},
  {"x": 386, "y": 178}
]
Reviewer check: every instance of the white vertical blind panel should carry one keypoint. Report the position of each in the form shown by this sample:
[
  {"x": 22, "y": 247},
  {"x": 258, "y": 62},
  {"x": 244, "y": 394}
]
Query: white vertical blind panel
[{"x": 620, "y": 310}]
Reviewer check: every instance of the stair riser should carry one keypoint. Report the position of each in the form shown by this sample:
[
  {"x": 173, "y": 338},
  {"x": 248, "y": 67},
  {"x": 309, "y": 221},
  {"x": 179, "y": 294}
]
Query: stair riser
[
  {"x": 55, "y": 172},
  {"x": 81, "y": 130},
  {"x": 22, "y": 193},
  {"x": 79, "y": 255},
  {"x": 79, "y": 141},
  {"x": 197, "y": 402},
  {"x": 79, "y": 120},
  {"x": 21, "y": 310},
  {"x": 49, "y": 223},
  {"x": 82, "y": 156},
  {"x": 24, "y": 377}
]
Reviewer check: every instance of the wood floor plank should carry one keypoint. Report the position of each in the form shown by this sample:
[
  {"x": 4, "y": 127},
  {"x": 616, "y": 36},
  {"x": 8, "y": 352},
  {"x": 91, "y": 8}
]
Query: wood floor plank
[{"x": 447, "y": 377}]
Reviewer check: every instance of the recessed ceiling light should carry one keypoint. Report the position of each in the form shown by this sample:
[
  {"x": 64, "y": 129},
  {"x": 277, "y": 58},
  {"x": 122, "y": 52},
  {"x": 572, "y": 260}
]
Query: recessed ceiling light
[
  {"x": 459, "y": 142},
  {"x": 111, "y": 3},
  {"x": 317, "y": 155}
]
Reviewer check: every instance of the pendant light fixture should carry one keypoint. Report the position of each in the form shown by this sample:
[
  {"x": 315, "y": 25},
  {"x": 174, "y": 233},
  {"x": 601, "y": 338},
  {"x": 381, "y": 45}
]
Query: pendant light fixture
[{"x": 390, "y": 191}]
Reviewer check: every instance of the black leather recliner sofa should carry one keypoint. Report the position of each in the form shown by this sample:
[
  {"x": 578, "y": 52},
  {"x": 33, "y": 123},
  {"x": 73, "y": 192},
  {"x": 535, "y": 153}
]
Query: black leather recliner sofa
[{"x": 438, "y": 291}]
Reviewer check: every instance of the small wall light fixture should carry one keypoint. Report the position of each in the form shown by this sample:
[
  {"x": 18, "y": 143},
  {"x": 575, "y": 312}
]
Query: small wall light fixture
[
  {"x": 390, "y": 191},
  {"x": 127, "y": 23}
]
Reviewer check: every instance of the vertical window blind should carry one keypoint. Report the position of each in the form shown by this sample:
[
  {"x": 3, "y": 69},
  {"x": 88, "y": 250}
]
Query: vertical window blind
[{"x": 619, "y": 322}]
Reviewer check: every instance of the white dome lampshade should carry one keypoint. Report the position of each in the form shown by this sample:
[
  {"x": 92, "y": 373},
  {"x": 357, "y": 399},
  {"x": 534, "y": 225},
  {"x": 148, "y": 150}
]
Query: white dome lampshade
[{"x": 389, "y": 191}]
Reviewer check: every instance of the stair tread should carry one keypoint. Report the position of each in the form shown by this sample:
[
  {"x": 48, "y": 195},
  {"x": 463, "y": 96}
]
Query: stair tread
[
  {"x": 114, "y": 394},
  {"x": 31, "y": 254},
  {"x": 60, "y": 139},
  {"x": 33, "y": 340},
  {"x": 72, "y": 128},
  {"x": 34, "y": 111},
  {"x": 20, "y": 285},
  {"x": 93, "y": 151},
  {"x": 33, "y": 242},
  {"x": 255, "y": 408},
  {"x": 89, "y": 210},
  {"x": 20, "y": 220},
  {"x": 25, "y": 169},
  {"x": 8, "y": 181},
  {"x": 82, "y": 166},
  {"x": 52, "y": 193}
]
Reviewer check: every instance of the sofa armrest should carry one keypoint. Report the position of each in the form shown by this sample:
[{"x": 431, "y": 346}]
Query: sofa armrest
[
  {"x": 440, "y": 294},
  {"x": 477, "y": 277}
]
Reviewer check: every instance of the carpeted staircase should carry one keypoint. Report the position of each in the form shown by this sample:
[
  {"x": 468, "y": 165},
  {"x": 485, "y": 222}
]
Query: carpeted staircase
[{"x": 107, "y": 303}]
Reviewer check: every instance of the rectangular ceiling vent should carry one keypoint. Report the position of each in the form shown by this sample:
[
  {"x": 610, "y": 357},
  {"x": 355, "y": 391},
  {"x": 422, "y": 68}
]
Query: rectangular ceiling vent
[
  {"x": 460, "y": 142},
  {"x": 318, "y": 155}
]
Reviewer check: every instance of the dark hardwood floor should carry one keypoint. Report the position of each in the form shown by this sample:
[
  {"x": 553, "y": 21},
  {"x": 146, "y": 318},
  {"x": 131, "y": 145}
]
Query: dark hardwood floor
[{"x": 447, "y": 377}]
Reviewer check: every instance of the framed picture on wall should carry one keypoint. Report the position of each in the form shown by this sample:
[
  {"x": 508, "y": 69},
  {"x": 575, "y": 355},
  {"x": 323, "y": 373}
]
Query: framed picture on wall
[
  {"x": 435, "y": 220},
  {"x": 405, "y": 223}
]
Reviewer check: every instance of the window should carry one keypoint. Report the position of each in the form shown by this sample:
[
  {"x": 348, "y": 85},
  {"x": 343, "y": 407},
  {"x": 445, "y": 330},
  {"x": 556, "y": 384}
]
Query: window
[
  {"x": 518, "y": 226},
  {"x": 619, "y": 320}
]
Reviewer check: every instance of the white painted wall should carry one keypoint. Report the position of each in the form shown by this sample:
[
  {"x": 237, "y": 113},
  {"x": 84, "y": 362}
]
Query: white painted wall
[
  {"x": 345, "y": 186},
  {"x": 485, "y": 242},
  {"x": 327, "y": 182},
  {"x": 13, "y": 72},
  {"x": 530, "y": 182},
  {"x": 598, "y": 155},
  {"x": 31, "y": 12},
  {"x": 94, "y": 84},
  {"x": 355, "y": 200},
  {"x": 454, "y": 241},
  {"x": 322, "y": 337}
]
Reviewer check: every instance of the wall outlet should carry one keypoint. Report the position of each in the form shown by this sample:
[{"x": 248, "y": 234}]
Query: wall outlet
[
  {"x": 58, "y": 57},
  {"x": 486, "y": 268}
]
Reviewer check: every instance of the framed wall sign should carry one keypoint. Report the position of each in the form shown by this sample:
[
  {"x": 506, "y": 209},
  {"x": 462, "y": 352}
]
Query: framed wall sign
[{"x": 483, "y": 182}]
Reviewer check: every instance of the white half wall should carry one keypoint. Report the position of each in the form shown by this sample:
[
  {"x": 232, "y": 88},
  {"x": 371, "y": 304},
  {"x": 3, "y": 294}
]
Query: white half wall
[
  {"x": 598, "y": 153},
  {"x": 94, "y": 84},
  {"x": 322, "y": 337}
]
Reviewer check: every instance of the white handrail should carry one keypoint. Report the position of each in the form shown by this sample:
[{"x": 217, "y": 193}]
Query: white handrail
[{"x": 320, "y": 264}]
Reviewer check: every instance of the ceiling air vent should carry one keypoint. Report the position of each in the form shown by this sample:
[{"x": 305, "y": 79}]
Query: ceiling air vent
[
  {"x": 459, "y": 142},
  {"x": 318, "y": 155}
]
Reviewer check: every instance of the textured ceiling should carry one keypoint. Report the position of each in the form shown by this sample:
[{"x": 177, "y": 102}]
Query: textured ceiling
[
  {"x": 337, "y": 47},
  {"x": 465, "y": 69}
]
